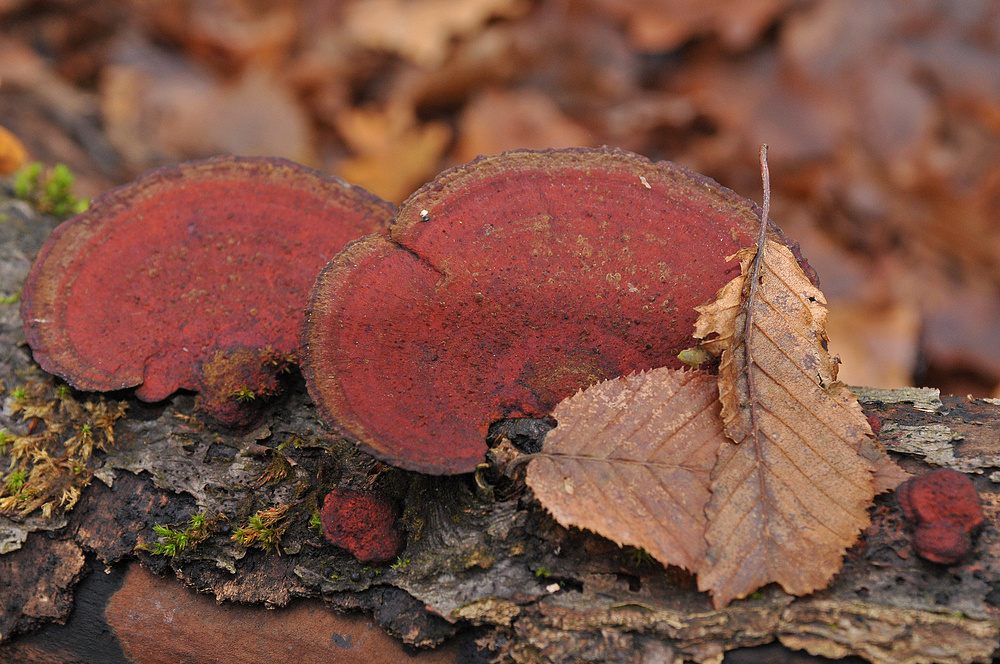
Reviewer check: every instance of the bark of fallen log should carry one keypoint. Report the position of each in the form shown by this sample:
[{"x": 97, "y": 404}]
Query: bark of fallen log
[{"x": 481, "y": 553}]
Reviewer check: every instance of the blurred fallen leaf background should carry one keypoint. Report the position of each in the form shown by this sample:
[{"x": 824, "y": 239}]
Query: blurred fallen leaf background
[{"x": 883, "y": 120}]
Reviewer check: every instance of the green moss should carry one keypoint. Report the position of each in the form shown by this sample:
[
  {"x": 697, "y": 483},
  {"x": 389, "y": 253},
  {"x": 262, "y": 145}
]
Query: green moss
[
  {"x": 174, "y": 541},
  {"x": 197, "y": 524},
  {"x": 16, "y": 480},
  {"x": 294, "y": 440},
  {"x": 171, "y": 541},
  {"x": 315, "y": 523},
  {"x": 244, "y": 394},
  {"x": 26, "y": 180},
  {"x": 50, "y": 192},
  {"x": 264, "y": 529},
  {"x": 55, "y": 458}
]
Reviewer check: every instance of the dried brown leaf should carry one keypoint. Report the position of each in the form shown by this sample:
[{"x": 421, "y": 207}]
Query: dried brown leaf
[
  {"x": 663, "y": 25},
  {"x": 630, "y": 460},
  {"x": 494, "y": 121},
  {"x": 719, "y": 316},
  {"x": 422, "y": 32},
  {"x": 888, "y": 475},
  {"x": 791, "y": 489},
  {"x": 393, "y": 152},
  {"x": 715, "y": 327}
]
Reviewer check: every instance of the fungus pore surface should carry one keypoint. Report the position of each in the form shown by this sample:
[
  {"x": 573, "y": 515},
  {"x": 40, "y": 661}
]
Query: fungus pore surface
[
  {"x": 187, "y": 263},
  {"x": 507, "y": 284}
]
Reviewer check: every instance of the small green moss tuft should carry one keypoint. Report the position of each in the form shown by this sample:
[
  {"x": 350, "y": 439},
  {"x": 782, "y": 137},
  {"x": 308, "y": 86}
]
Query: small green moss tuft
[
  {"x": 174, "y": 541},
  {"x": 171, "y": 541},
  {"x": 15, "y": 481},
  {"x": 50, "y": 192},
  {"x": 26, "y": 180},
  {"x": 244, "y": 394},
  {"x": 263, "y": 529}
]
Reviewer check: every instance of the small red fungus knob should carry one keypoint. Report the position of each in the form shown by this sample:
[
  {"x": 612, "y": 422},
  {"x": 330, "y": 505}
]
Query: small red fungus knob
[
  {"x": 508, "y": 284},
  {"x": 167, "y": 282},
  {"x": 363, "y": 522},
  {"x": 236, "y": 381},
  {"x": 945, "y": 508}
]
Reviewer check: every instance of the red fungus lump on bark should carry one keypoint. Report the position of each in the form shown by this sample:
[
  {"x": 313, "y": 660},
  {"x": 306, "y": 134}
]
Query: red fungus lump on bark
[
  {"x": 363, "y": 522},
  {"x": 193, "y": 277},
  {"x": 944, "y": 506},
  {"x": 506, "y": 285}
]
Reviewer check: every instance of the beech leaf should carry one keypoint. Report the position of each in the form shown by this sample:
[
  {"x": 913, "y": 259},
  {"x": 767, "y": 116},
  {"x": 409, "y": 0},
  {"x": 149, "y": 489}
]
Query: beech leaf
[
  {"x": 792, "y": 486},
  {"x": 631, "y": 460},
  {"x": 888, "y": 474}
]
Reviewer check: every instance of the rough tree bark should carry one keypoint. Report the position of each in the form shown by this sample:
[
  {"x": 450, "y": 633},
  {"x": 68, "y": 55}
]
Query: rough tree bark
[{"x": 482, "y": 556}]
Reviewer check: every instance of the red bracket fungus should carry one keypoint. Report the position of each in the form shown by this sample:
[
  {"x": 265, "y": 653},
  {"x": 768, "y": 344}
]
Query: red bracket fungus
[
  {"x": 944, "y": 506},
  {"x": 364, "y": 523},
  {"x": 507, "y": 284},
  {"x": 193, "y": 276}
]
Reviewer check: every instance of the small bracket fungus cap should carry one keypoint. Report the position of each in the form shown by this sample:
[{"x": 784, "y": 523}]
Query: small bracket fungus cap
[
  {"x": 185, "y": 262},
  {"x": 506, "y": 285}
]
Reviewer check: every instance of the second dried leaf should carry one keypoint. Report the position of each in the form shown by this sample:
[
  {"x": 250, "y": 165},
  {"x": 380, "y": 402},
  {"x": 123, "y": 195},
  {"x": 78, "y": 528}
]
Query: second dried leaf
[
  {"x": 630, "y": 460},
  {"x": 791, "y": 490}
]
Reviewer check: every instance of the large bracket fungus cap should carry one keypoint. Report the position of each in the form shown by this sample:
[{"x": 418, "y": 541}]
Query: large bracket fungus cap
[
  {"x": 205, "y": 260},
  {"x": 507, "y": 284}
]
